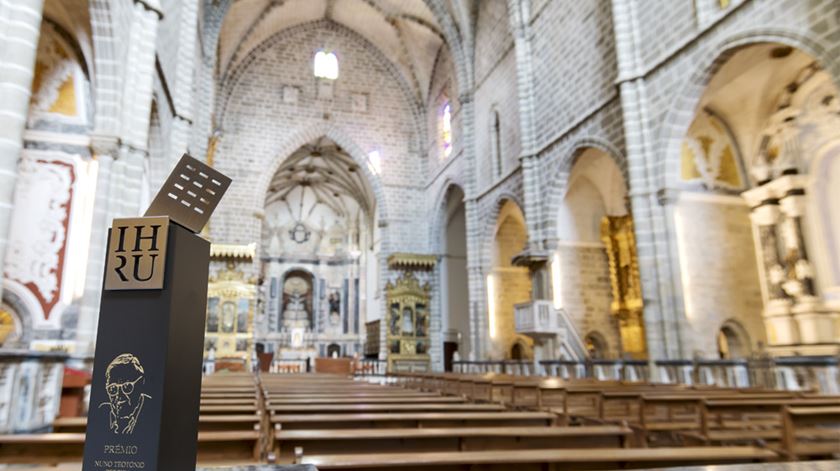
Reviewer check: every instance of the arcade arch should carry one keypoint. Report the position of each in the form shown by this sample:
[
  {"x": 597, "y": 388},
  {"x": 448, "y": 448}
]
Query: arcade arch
[
  {"x": 455, "y": 281},
  {"x": 580, "y": 265},
  {"x": 750, "y": 208},
  {"x": 507, "y": 284}
]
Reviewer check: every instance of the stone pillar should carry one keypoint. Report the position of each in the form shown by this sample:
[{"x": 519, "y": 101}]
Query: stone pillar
[
  {"x": 20, "y": 27},
  {"x": 780, "y": 326},
  {"x": 654, "y": 235},
  {"x": 477, "y": 295},
  {"x": 104, "y": 150},
  {"x": 519, "y": 11}
]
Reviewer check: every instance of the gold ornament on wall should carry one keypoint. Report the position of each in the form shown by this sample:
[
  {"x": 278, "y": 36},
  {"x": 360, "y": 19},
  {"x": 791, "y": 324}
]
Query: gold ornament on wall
[
  {"x": 627, "y": 304},
  {"x": 7, "y": 325},
  {"x": 407, "y": 325},
  {"x": 231, "y": 305}
]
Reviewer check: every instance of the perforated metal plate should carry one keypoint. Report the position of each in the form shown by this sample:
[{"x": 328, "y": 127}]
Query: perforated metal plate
[{"x": 190, "y": 194}]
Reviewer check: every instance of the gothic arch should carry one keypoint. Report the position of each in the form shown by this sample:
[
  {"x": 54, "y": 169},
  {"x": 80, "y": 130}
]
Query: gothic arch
[
  {"x": 559, "y": 182},
  {"x": 439, "y": 215},
  {"x": 491, "y": 225},
  {"x": 682, "y": 112}
]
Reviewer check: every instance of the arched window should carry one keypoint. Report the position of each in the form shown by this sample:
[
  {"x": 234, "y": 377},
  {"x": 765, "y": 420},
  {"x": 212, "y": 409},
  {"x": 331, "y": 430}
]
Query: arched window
[
  {"x": 496, "y": 143},
  {"x": 326, "y": 65},
  {"x": 446, "y": 130}
]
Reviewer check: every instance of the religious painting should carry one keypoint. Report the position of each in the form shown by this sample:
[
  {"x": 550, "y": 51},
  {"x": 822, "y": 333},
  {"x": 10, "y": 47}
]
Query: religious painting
[
  {"x": 395, "y": 320},
  {"x": 242, "y": 315},
  {"x": 420, "y": 320},
  {"x": 213, "y": 314}
]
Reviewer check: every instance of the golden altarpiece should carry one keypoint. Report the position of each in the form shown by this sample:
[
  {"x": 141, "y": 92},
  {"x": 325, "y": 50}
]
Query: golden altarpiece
[
  {"x": 627, "y": 305},
  {"x": 231, "y": 304},
  {"x": 407, "y": 317}
]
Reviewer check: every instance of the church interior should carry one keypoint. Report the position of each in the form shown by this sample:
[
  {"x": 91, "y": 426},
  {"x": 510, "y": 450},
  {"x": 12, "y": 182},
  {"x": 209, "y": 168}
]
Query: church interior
[{"x": 459, "y": 234}]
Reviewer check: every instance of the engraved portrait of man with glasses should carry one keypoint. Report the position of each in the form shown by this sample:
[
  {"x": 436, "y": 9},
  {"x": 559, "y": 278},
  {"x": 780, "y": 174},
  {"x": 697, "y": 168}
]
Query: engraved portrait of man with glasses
[{"x": 124, "y": 381}]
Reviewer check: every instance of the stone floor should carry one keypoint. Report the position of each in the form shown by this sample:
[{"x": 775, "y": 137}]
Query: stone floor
[{"x": 793, "y": 466}]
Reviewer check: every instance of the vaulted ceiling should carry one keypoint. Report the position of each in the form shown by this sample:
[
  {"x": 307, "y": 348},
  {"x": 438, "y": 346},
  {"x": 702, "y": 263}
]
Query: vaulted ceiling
[
  {"x": 322, "y": 169},
  {"x": 405, "y": 31}
]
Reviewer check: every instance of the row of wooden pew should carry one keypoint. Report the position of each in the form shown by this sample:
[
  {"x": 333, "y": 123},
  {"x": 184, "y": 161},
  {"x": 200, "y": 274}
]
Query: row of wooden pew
[
  {"x": 455, "y": 421},
  {"x": 342, "y": 424},
  {"x": 231, "y": 428},
  {"x": 797, "y": 425}
]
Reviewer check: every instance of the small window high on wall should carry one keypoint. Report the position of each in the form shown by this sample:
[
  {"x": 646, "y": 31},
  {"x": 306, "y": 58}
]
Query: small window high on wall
[
  {"x": 446, "y": 130},
  {"x": 326, "y": 65}
]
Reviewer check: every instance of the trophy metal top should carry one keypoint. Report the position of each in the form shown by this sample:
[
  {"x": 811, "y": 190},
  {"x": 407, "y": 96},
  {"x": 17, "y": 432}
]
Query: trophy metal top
[{"x": 190, "y": 194}]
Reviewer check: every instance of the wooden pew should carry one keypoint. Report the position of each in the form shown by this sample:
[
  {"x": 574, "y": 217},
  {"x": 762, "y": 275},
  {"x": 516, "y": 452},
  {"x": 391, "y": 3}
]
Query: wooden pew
[
  {"x": 214, "y": 447},
  {"x": 206, "y": 423},
  {"x": 810, "y": 432},
  {"x": 527, "y": 460},
  {"x": 275, "y": 401},
  {"x": 373, "y": 408},
  {"x": 734, "y": 421},
  {"x": 410, "y": 419},
  {"x": 337, "y": 441}
]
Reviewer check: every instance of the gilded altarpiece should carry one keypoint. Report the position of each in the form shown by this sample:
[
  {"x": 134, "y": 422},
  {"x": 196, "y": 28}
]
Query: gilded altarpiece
[
  {"x": 620, "y": 243},
  {"x": 231, "y": 301},
  {"x": 408, "y": 324}
]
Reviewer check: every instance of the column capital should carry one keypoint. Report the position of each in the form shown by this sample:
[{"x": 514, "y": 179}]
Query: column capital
[
  {"x": 765, "y": 214},
  {"x": 667, "y": 196},
  {"x": 102, "y": 144},
  {"x": 793, "y": 203}
]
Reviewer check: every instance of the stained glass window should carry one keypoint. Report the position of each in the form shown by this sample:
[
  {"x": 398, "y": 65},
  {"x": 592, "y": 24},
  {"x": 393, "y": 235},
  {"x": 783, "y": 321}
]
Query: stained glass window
[{"x": 446, "y": 130}]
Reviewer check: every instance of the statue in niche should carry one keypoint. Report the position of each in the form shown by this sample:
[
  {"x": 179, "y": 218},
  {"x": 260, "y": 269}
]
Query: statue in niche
[
  {"x": 407, "y": 321},
  {"x": 334, "y": 305},
  {"x": 297, "y": 302}
]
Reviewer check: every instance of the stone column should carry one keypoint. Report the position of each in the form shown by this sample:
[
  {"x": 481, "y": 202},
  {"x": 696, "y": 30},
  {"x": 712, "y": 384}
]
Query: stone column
[
  {"x": 477, "y": 295},
  {"x": 104, "y": 150},
  {"x": 20, "y": 27},
  {"x": 654, "y": 236},
  {"x": 519, "y": 17},
  {"x": 780, "y": 326}
]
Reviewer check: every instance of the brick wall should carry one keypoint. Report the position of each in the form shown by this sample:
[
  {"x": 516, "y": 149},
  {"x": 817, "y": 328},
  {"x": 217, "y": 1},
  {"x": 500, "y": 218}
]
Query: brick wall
[
  {"x": 719, "y": 270},
  {"x": 260, "y": 129}
]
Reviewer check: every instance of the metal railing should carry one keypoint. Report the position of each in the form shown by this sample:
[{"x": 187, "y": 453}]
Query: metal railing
[
  {"x": 792, "y": 373},
  {"x": 371, "y": 367},
  {"x": 289, "y": 366}
]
